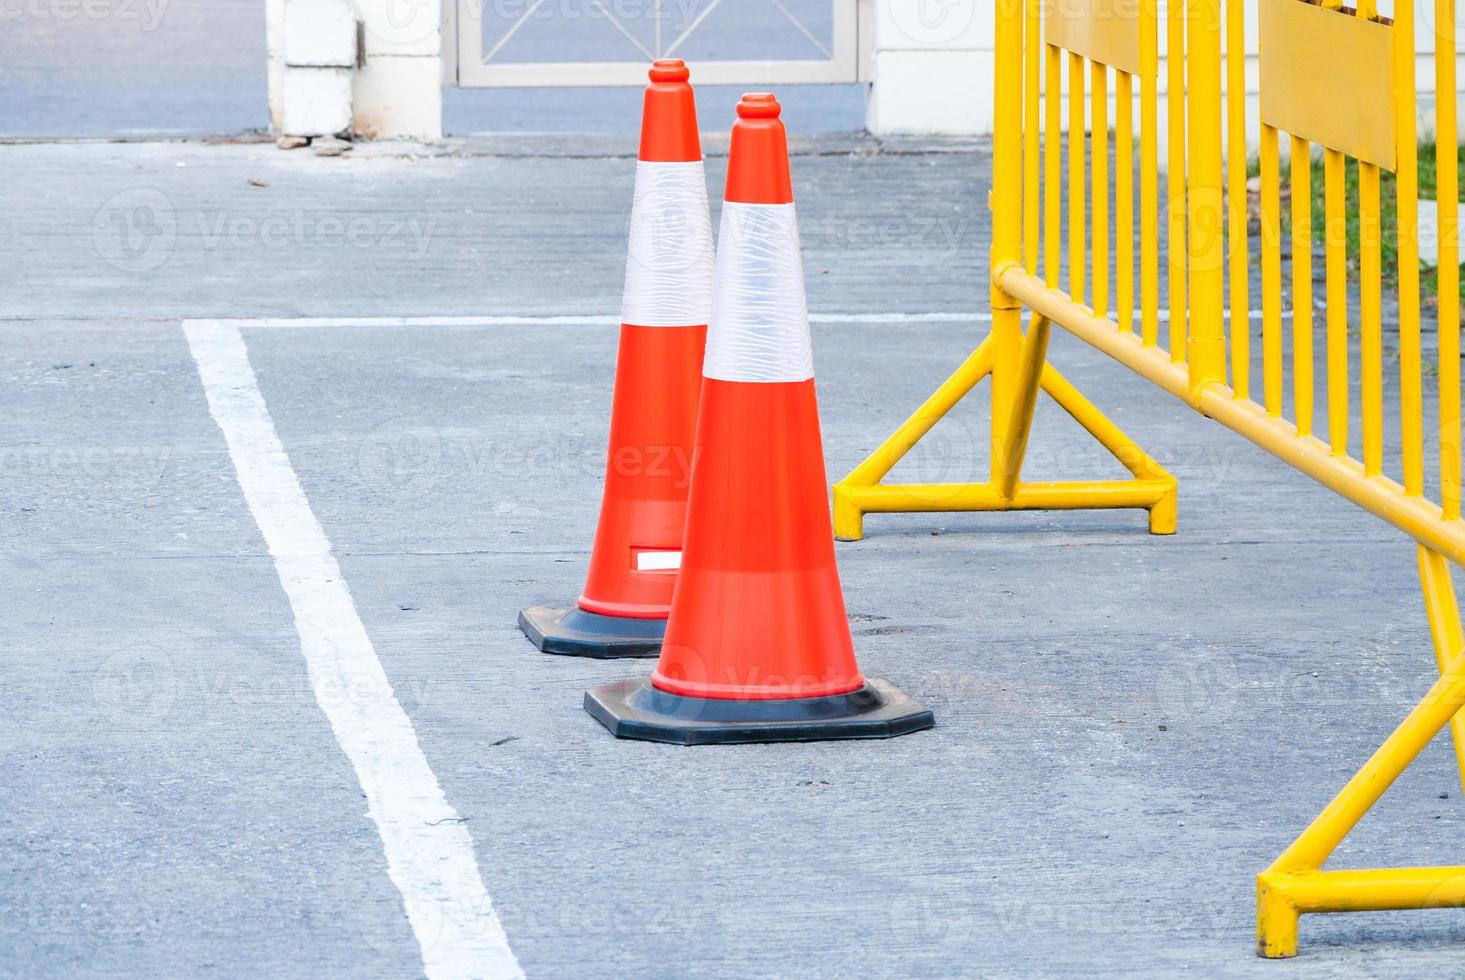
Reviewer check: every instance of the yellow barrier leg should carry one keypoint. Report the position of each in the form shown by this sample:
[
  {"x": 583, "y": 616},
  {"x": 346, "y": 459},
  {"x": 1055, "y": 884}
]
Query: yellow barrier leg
[
  {"x": 849, "y": 517},
  {"x": 1295, "y": 884},
  {"x": 1126, "y": 450},
  {"x": 1006, "y": 340},
  {"x": 1276, "y": 922},
  {"x": 1016, "y": 363},
  {"x": 1151, "y": 487},
  {"x": 1444, "y": 624},
  {"x": 1025, "y": 400}
]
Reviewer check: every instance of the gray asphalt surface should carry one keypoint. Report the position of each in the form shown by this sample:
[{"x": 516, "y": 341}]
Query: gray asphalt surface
[
  {"x": 1129, "y": 727},
  {"x": 137, "y": 68},
  {"x": 128, "y": 68}
]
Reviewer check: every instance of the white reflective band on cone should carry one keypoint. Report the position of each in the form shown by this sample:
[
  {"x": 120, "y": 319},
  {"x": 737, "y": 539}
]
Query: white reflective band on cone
[
  {"x": 669, "y": 261},
  {"x": 760, "y": 323}
]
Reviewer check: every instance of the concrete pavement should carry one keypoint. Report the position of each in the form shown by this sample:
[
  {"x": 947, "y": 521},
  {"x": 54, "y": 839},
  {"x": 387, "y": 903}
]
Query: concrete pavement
[{"x": 1129, "y": 727}]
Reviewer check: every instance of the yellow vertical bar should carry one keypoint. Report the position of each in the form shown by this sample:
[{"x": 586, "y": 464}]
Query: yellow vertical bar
[
  {"x": 1007, "y": 144},
  {"x": 1271, "y": 276},
  {"x": 1335, "y": 263},
  {"x": 1370, "y": 305},
  {"x": 1031, "y": 202},
  {"x": 1302, "y": 284},
  {"x": 1007, "y": 212},
  {"x": 1053, "y": 166},
  {"x": 1406, "y": 177},
  {"x": 1149, "y": 180},
  {"x": 1025, "y": 399},
  {"x": 1206, "y": 350},
  {"x": 1124, "y": 199},
  {"x": 1007, "y": 112},
  {"x": 1447, "y": 192},
  {"x": 1236, "y": 220},
  {"x": 1370, "y": 315},
  {"x": 1100, "y": 184},
  {"x": 1335, "y": 245},
  {"x": 1077, "y": 221},
  {"x": 1175, "y": 175}
]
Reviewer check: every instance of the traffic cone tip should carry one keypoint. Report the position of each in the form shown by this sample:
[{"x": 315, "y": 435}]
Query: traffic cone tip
[
  {"x": 757, "y": 166},
  {"x": 669, "y": 70},
  {"x": 669, "y": 115}
]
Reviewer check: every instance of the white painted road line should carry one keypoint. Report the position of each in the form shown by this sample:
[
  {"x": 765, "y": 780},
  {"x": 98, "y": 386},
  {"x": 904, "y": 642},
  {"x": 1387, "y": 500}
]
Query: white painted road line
[
  {"x": 588, "y": 320},
  {"x": 429, "y": 853},
  {"x": 557, "y": 320},
  {"x": 536, "y": 320}
]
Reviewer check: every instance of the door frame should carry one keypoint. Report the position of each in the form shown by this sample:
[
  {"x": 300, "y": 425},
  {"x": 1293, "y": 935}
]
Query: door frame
[{"x": 849, "y": 61}]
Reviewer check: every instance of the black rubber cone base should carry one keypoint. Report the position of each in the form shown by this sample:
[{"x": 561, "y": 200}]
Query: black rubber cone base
[
  {"x": 635, "y": 709},
  {"x": 577, "y": 633}
]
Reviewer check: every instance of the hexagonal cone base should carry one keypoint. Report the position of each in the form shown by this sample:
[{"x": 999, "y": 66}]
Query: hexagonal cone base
[
  {"x": 573, "y": 632},
  {"x": 635, "y": 709}
]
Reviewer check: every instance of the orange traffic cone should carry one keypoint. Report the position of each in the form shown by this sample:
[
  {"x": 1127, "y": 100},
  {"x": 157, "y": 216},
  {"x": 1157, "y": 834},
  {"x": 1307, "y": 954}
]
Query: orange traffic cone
[
  {"x": 664, "y": 314},
  {"x": 757, "y": 647}
]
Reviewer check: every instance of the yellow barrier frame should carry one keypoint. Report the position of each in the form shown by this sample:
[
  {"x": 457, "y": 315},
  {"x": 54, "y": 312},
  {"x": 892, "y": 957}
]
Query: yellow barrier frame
[
  {"x": 1193, "y": 366},
  {"x": 1001, "y": 356}
]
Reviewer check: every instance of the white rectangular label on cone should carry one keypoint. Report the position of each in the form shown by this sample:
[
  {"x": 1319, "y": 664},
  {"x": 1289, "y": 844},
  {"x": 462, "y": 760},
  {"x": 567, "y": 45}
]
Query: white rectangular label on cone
[{"x": 658, "y": 561}]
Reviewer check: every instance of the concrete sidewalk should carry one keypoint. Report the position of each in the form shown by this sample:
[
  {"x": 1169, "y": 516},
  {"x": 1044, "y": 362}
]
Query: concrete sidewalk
[
  {"x": 520, "y": 226},
  {"x": 1128, "y": 727}
]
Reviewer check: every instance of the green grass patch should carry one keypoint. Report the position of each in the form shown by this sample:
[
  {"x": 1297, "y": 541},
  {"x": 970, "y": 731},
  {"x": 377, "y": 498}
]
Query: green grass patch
[{"x": 1388, "y": 214}]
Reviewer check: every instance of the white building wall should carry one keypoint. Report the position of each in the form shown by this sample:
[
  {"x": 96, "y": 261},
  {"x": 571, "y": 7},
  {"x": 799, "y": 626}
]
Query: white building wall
[
  {"x": 931, "y": 68},
  {"x": 275, "y": 45},
  {"x": 371, "y": 67},
  {"x": 398, "y": 91},
  {"x": 933, "y": 59}
]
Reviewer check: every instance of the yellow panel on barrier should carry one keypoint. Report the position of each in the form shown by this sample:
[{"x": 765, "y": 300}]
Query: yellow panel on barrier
[
  {"x": 1326, "y": 75},
  {"x": 1106, "y": 31}
]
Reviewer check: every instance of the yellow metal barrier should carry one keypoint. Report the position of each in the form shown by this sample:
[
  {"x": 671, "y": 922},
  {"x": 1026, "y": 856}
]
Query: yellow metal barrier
[{"x": 1341, "y": 80}]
